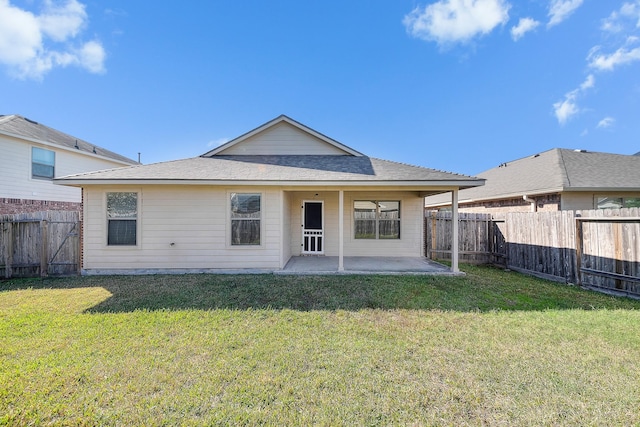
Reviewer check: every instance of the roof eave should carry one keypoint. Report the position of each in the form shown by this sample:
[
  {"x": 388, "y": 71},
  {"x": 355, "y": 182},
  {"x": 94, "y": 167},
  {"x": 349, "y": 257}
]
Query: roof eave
[
  {"x": 70, "y": 150},
  {"x": 431, "y": 185}
]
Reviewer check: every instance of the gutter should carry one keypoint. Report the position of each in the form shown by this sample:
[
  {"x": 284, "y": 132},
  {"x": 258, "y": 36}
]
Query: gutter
[{"x": 534, "y": 206}]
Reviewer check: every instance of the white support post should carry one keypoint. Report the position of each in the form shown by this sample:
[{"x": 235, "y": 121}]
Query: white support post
[
  {"x": 341, "y": 230},
  {"x": 454, "y": 234}
]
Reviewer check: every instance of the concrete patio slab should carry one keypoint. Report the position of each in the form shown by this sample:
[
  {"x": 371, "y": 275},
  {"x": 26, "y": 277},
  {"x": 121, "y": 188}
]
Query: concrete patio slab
[{"x": 364, "y": 265}]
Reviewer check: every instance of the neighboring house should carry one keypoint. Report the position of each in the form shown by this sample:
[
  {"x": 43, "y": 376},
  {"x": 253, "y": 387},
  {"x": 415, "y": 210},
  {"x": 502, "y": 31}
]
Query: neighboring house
[
  {"x": 278, "y": 191},
  {"x": 558, "y": 179},
  {"x": 33, "y": 155}
]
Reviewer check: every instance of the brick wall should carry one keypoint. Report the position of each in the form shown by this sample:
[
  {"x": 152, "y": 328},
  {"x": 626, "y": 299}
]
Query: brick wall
[
  {"x": 15, "y": 206},
  {"x": 546, "y": 203}
]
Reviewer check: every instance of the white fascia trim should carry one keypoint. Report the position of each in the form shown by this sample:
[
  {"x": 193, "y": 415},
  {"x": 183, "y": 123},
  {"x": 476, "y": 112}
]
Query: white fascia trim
[
  {"x": 430, "y": 185},
  {"x": 71, "y": 150}
]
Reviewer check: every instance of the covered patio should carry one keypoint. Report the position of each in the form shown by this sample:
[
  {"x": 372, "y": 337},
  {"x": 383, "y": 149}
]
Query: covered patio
[{"x": 323, "y": 265}]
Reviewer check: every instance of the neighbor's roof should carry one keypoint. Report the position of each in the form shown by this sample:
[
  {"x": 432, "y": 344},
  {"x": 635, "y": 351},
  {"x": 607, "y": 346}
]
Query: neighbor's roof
[
  {"x": 277, "y": 170},
  {"x": 554, "y": 171},
  {"x": 21, "y": 127}
]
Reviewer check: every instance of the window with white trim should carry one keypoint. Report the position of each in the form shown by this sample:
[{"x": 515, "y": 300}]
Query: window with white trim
[
  {"x": 617, "y": 202},
  {"x": 43, "y": 163},
  {"x": 246, "y": 218},
  {"x": 122, "y": 219},
  {"x": 376, "y": 219}
]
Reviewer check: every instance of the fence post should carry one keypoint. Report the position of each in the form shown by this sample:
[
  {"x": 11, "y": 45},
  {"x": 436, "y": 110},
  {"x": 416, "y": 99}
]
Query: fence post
[
  {"x": 44, "y": 250},
  {"x": 9, "y": 250},
  {"x": 433, "y": 235},
  {"x": 578, "y": 250}
]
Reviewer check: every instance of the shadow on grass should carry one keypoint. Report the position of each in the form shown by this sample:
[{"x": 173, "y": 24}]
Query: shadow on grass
[{"x": 482, "y": 289}]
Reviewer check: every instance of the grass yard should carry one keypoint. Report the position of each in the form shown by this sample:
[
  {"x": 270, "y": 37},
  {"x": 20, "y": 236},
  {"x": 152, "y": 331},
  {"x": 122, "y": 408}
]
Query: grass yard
[{"x": 489, "y": 348}]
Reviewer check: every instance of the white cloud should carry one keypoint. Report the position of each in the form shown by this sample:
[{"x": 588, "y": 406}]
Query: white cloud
[
  {"x": 524, "y": 26},
  {"x": 567, "y": 108},
  {"x": 559, "y": 10},
  {"x": 605, "y": 123},
  {"x": 619, "y": 19},
  {"x": 32, "y": 45},
  {"x": 62, "y": 22},
  {"x": 588, "y": 83},
  {"x": 624, "y": 55},
  {"x": 456, "y": 21}
]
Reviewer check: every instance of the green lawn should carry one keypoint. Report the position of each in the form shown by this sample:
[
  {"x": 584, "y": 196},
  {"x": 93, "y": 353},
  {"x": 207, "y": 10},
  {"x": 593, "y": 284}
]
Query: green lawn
[{"x": 489, "y": 348}]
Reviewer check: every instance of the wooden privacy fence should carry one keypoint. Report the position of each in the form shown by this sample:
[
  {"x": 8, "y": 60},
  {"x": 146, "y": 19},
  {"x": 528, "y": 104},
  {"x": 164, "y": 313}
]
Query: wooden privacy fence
[
  {"x": 39, "y": 244},
  {"x": 598, "y": 249}
]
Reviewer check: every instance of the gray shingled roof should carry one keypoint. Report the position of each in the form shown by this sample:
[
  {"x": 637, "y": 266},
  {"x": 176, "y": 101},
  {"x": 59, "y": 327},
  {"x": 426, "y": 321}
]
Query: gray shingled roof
[
  {"x": 554, "y": 171},
  {"x": 277, "y": 169},
  {"x": 20, "y": 126}
]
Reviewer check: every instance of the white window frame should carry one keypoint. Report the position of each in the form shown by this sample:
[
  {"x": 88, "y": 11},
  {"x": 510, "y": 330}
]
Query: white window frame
[
  {"x": 230, "y": 219},
  {"x": 107, "y": 219},
  {"x": 33, "y": 162},
  {"x": 377, "y": 219}
]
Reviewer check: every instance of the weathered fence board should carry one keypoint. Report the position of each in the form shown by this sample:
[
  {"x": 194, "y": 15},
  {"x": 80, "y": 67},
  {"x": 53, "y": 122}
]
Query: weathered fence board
[
  {"x": 39, "y": 244},
  {"x": 598, "y": 249}
]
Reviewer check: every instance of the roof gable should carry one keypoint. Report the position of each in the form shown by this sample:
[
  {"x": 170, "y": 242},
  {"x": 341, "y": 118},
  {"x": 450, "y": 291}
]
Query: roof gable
[{"x": 283, "y": 136}]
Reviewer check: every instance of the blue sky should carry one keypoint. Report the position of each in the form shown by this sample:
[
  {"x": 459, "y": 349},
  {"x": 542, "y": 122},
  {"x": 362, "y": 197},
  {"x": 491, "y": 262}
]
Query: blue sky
[{"x": 456, "y": 85}]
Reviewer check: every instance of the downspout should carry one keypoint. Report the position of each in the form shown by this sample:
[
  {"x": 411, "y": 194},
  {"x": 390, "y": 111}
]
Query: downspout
[{"x": 534, "y": 206}]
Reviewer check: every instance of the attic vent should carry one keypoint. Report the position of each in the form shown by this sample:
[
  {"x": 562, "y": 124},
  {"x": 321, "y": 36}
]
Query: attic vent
[
  {"x": 535, "y": 155},
  {"x": 579, "y": 150},
  {"x": 503, "y": 165},
  {"x": 31, "y": 121}
]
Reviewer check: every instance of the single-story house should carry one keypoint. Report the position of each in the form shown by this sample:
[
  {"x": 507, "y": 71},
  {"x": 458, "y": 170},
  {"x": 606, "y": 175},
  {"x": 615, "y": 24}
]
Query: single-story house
[
  {"x": 554, "y": 180},
  {"x": 282, "y": 190},
  {"x": 34, "y": 154}
]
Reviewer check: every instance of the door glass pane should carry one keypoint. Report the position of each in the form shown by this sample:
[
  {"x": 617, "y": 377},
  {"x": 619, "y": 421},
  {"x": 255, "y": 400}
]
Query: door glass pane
[{"x": 313, "y": 216}]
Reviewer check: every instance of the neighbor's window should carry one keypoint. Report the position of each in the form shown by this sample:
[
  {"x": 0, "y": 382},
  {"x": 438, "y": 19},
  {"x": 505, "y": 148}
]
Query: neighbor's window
[
  {"x": 122, "y": 218},
  {"x": 42, "y": 163},
  {"x": 376, "y": 219},
  {"x": 617, "y": 202},
  {"x": 245, "y": 218}
]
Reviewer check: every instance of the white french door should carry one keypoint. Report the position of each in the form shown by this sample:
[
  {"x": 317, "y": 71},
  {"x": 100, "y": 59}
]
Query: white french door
[{"x": 312, "y": 227}]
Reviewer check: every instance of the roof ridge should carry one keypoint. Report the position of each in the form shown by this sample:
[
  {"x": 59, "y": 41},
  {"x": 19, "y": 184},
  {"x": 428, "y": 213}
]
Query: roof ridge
[
  {"x": 563, "y": 168},
  {"x": 422, "y": 167}
]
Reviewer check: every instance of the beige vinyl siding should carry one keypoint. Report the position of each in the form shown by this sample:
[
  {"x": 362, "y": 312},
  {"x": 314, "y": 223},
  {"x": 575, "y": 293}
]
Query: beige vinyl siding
[
  {"x": 411, "y": 226},
  {"x": 286, "y": 228},
  {"x": 283, "y": 139},
  {"x": 15, "y": 171},
  {"x": 195, "y": 219}
]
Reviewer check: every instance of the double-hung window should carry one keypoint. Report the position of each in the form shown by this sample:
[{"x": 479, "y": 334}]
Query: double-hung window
[
  {"x": 246, "y": 216},
  {"x": 617, "y": 202},
  {"x": 376, "y": 219},
  {"x": 43, "y": 163},
  {"x": 122, "y": 218}
]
